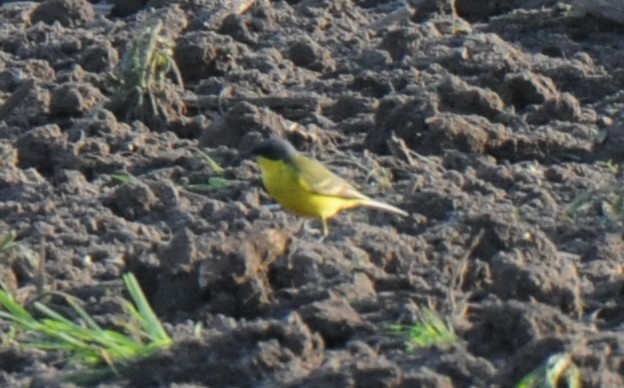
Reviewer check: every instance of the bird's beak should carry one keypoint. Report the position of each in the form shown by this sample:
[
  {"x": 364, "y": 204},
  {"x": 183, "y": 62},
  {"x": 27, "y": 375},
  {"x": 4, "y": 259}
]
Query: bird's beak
[
  {"x": 246, "y": 153},
  {"x": 248, "y": 144}
]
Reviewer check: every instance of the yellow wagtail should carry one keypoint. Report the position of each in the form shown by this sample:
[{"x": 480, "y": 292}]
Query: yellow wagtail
[{"x": 306, "y": 187}]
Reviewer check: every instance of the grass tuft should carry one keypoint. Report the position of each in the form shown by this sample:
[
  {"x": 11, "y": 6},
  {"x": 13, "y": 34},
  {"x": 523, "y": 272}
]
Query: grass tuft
[
  {"x": 429, "y": 330},
  {"x": 141, "y": 87},
  {"x": 85, "y": 342}
]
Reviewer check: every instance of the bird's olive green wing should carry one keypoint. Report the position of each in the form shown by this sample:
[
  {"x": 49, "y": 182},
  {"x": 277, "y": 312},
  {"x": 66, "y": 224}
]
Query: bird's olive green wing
[{"x": 316, "y": 178}]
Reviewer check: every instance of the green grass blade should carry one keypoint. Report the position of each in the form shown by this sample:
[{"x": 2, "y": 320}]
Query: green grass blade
[
  {"x": 9, "y": 303},
  {"x": 214, "y": 166},
  {"x": 73, "y": 302},
  {"x": 121, "y": 177},
  {"x": 53, "y": 315},
  {"x": 148, "y": 319}
]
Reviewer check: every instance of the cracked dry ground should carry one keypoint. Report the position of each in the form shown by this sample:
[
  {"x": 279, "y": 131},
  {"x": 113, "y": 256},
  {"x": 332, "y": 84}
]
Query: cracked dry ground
[{"x": 486, "y": 127}]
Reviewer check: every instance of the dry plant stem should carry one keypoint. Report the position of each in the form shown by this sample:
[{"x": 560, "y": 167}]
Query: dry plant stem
[
  {"x": 40, "y": 277},
  {"x": 462, "y": 269}
]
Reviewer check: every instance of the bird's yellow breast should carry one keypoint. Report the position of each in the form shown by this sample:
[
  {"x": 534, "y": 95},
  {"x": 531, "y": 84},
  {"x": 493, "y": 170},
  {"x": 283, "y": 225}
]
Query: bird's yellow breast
[{"x": 284, "y": 184}]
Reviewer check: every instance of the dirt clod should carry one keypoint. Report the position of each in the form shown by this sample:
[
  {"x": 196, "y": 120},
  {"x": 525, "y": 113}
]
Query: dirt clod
[
  {"x": 70, "y": 13},
  {"x": 334, "y": 319},
  {"x": 74, "y": 99}
]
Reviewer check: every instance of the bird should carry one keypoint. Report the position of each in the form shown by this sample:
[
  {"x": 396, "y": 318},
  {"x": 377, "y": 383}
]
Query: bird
[{"x": 306, "y": 187}]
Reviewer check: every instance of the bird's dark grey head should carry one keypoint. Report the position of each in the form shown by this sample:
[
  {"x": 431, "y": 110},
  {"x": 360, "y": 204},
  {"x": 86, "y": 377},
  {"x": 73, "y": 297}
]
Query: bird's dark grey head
[{"x": 274, "y": 148}]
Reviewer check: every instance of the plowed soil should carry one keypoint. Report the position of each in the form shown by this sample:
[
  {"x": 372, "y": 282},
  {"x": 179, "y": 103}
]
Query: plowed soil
[{"x": 498, "y": 129}]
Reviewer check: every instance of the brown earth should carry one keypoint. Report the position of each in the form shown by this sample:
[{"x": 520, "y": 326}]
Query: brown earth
[{"x": 485, "y": 127}]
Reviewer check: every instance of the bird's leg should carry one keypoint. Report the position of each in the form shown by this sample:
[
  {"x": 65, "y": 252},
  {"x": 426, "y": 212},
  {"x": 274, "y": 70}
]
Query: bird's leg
[
  {"x": 325, "y": 227},
  {"x": 325, "y": 230}
]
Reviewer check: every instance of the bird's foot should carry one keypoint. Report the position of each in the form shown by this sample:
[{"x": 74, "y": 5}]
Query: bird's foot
[{"x": 307, "y": 230}]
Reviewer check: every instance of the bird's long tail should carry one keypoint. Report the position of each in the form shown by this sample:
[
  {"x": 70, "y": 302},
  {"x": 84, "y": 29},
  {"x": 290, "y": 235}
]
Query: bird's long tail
[{"x": 384, "y": 206}]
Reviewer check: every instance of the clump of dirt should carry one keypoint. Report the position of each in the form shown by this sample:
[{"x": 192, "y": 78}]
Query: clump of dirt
[{"x": 498, "y": 129}]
